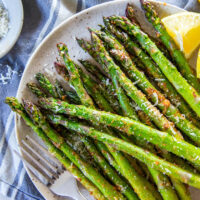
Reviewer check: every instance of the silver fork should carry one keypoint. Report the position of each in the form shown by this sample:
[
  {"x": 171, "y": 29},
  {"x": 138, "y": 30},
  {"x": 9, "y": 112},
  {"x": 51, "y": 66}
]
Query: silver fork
[{"x": 48, "y": 170}]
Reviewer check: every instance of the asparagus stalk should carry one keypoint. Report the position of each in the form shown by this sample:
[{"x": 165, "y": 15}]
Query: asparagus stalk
[
  {"x": 156, "y": 97},
  {"x": 143, "y": 155},
  {"x": 145, "y": 119},
  {"x": 113, "y": 176},
  {"x": 125, "y": 167},
  {"x": 122, "y": 98},
  {"x": 94, "y": 70},
  {"x": 129, "y": 126},
  {"x": 137, "y": 96},
  {"x": 109, "y": 91},
  {"x": 104, "y": 186},
  {"x": 128, "y": 111},
  {"x": 61, "y": 70},
  {"x": 138, "y": 182},
  {"x": 75, "y": 141},
  {"x": 46, "y": 84},
  {"x": 93, "y": 90},
  {"x": 107, "y": 169},
  {"x": 117, "y": 155},
  {"x": 152, "y": 70},
  {"x": 169, "y": 43},
  {"x": 75, "y": 79},
  {"x": 104, "y": 150},
  {"x": 162, "y": 182},
  {"x": 190, "y": 95},
  {"x": 18, "y": 108},
  {"x": 60, "y": 91},
  {"x": 100, "y": 50},
  {"x": 36, "y": 90},
  {"x": 131, "y": 15},
  {"x": 105, "y": 84}
]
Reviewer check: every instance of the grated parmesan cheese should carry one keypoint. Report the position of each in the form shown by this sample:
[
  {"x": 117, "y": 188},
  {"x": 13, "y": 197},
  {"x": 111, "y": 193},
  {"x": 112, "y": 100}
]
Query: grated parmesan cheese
[
  {"x": 4, "y": 21},
  {"x": 5, "y": 77}
]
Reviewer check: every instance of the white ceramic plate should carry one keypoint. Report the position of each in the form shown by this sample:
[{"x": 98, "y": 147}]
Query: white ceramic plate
[
  {"x": 16, "y": 17},
  {"x": 43, "y": 58}
]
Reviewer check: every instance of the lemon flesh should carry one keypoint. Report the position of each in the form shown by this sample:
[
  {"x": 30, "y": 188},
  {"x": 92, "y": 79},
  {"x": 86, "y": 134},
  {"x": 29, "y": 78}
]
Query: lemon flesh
[{"x": 184, "y": 28}]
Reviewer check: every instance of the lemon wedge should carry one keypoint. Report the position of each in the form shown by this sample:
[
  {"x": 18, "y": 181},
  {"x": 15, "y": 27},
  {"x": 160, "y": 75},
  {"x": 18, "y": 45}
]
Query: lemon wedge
[
  {"x": 198, "y": 65},
  {"x": 184, "y": 28}
]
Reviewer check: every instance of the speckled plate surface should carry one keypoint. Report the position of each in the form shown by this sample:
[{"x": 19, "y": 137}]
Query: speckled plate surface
[{"x": 44, "y": 56}]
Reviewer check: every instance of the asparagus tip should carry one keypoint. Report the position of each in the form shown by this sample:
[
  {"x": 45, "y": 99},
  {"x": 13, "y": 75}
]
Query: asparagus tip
[
  {"x": 62, "y": 48},
  {"x": 14, "y": 104},
  {"x": 105, "y": 19},
  {"x": 146, "y": 4},
  {"x": 90, "y": 29},
  {"x": 79, "y": 40},
  {"x": 9, "y": 100},
  {"x": 38, "y": 76},
  {"x": 57, "y": 64},
  {"x": 100, "y": 25}
]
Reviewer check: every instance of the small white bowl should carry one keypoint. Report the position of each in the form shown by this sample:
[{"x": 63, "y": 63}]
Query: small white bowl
[{"x": 16, "y": 17}]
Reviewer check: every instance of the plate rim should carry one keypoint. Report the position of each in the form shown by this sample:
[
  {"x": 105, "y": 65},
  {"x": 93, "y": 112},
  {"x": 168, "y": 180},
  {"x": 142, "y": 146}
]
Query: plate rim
[{"x": 38, "y": 48}]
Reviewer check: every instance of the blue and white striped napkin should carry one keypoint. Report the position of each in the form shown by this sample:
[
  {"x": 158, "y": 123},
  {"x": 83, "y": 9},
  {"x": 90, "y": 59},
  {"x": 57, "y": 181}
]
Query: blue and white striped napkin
[{"x": 40, "y": 17}]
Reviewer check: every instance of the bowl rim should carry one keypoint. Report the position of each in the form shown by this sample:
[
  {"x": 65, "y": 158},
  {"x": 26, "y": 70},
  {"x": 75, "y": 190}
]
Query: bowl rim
[{"x": 19, "y": 28}]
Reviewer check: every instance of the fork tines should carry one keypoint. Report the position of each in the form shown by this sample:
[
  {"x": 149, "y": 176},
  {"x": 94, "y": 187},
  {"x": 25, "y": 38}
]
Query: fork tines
[{"x": 40, "y": 162}]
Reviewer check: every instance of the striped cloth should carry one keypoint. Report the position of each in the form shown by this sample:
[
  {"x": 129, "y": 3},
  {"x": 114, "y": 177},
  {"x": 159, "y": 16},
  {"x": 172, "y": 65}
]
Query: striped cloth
[{"x": 40, "y": 17}]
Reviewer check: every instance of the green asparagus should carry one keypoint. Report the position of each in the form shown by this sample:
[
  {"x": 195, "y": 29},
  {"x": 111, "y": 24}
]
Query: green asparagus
[
  {"x": 169, "y": 43},
  {"x": 126, "y": 169},
  {"x": 46, "y": 84},
  {"x": 130, "y": 88},
  {"x": 129, "y": 126},
  {"x": 152, "y": 70},
  {"x": 36, "y": 90},
  {"x": 123, "y": 186},
  {"x": 75, "y": 79},
  {"x": 94, "y": 91},
  {"x": 105, "y": 84},
  {"x": 128, "y": 111},
  {"x": 156, "y": 97},
  {"x": 104, "y": 186},
  {"x": 190, "y": 95},
  {"x": 103, "y": 58},
  {"x": 162, "y": 182},
  {"x": 18, "y": 108},
  {"x": 143, "y": 155},
  {"x": 60, "y": 91}
]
